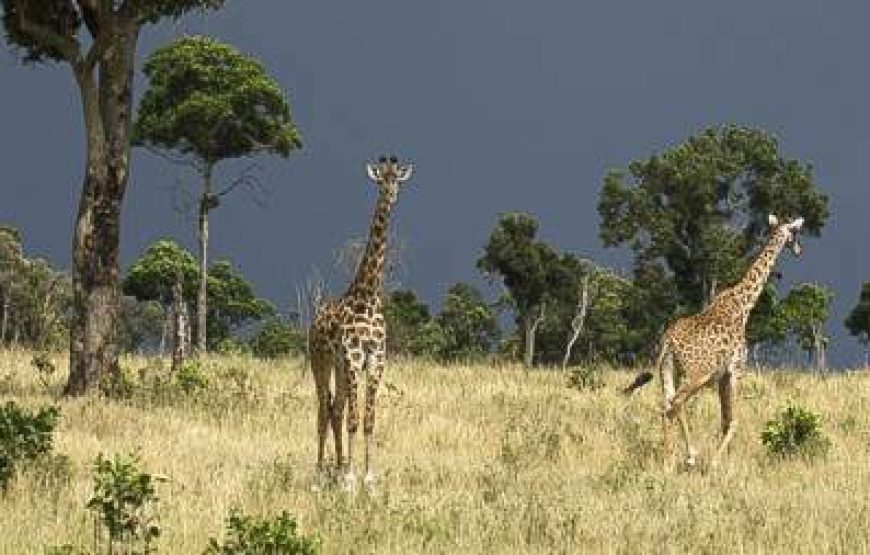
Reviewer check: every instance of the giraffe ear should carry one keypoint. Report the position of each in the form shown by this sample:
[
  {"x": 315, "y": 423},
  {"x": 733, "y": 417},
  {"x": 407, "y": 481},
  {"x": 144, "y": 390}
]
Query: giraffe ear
[
  {"x": 372, "y": 172},
  {"x": 797, "y": 224},
  {"x": 405, "y": 173},
  {"x": 772, "y": 220}
]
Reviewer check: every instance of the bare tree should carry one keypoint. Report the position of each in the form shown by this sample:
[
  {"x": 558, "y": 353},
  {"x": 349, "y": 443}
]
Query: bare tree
[
  {"x": 579, "y": 319},
  {"x": 348, "y": 256}
]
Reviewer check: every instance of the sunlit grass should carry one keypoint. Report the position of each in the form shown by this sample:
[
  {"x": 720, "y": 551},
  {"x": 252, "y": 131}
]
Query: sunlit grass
[{"x": 471, "y": 460}]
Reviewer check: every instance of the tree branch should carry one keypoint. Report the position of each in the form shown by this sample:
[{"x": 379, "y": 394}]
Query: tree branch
[{"x": 67, "y": 46}]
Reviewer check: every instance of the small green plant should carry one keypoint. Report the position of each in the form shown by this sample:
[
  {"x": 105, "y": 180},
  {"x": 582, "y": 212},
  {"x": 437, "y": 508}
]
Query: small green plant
[
  {"x": 586, "y": 378},
  {"x": 123, "y": 505},
  {"x": 23, "y": 437},
  {"x": 248, "y": 535},
  {"x": 190, "y": 378},
  {"x": 795, "y": 431}
]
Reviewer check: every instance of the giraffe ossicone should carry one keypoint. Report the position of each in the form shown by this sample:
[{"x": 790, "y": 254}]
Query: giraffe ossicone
[
  {"x": 711, "y": 346},
  {"x": 348, "y": 336}
]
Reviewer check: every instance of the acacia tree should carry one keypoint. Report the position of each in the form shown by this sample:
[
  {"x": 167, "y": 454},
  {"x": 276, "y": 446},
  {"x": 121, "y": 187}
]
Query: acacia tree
[
  {"x": 694, "y": 214},
  {"x": 207, "y": 103},
  {"x": 97, "y": 40},
  {"x": 858, "y": 321}
]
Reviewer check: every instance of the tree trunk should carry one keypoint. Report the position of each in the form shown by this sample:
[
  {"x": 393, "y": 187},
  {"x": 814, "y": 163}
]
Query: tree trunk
[
  {"x": 4, "y": 324},
  {"x": 205, "y": 204},
  {"x": 578, "y": 321},
  {"x": 178, "y": 325},
  {"x": 107, "y": 107},
  {"x": 164, "y": 328},
  {"x": 532, "y": 323}
]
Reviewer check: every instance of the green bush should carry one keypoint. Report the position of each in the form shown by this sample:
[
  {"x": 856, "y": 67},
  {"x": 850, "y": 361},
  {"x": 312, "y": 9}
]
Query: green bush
[
  {"x": 190, "y": 378},
  {"x": 123, "y": 501},
  {"x": 248, "y": 535},
  {"x": 23, "y": 437},
  {"x": 795, "y": 431}
]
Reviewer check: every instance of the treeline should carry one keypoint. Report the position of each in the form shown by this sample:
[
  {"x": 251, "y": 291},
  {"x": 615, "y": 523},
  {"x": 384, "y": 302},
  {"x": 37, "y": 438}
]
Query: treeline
[{"x": 693, "y": 216}]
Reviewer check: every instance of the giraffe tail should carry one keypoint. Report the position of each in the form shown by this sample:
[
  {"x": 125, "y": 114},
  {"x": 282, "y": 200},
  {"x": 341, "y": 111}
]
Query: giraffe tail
[
  {"x": 641, "y": 380},
  {"x": 645, "y": 377}
]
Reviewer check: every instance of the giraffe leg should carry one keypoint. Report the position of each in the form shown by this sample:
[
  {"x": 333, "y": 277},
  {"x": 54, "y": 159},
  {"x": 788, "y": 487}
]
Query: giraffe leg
[
  {"x": 373, "y": 379},
  {"x": 324, "y": 403},
  {"x": 727, "y": 397},
  {"x": 337, "y": 415},
  {"x": 667, "y": 377},
  {"x": 353, "y": 368},
  {"x": 691, "y": 452}
]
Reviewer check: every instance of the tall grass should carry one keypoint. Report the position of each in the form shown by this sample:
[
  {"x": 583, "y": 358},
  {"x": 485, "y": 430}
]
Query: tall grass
[{"x": 470, "y": 459}]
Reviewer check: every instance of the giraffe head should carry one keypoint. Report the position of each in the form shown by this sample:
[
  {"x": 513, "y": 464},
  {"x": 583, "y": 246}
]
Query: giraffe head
[
  {"x": 788, "y": 230},
  {"x": 389, "y": 175}
]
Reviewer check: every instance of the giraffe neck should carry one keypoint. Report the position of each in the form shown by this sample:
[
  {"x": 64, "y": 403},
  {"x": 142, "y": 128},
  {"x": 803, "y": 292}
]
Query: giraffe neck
[
  {"x": 753, "y": 281},
  {"x": 369, "y": 279}
]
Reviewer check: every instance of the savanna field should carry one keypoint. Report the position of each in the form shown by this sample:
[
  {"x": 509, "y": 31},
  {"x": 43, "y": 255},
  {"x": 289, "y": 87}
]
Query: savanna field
[{"x": 471, "y": 459}]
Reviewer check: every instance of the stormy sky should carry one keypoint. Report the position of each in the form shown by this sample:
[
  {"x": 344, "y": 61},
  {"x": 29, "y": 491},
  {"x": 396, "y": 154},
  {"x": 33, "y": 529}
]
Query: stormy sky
[{"x": 502, "y": 105}]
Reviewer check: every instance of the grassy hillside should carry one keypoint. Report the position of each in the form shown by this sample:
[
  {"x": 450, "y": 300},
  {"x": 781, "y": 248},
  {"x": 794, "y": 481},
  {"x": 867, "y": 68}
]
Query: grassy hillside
[{"x": 471, "y": 459}]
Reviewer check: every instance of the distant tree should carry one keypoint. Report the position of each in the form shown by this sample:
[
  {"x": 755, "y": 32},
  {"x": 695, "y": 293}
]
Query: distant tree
[
  {"x": 232, "y": 303},
  {"x": 35, "y": 296},
  {"x": 466, "y": 328},
  {"x": 11, "y": 264},
  {"x": 405, "y": 317},
  {"x": 277, "y": 338},
  {"x": 152, "y": 278},
  {"x": 102, "y": 65},
  {"x": 767, "y": 326},
  {"x": 153, "y": 274},
  {"x": 694, "y": 214},
  {"x": 43, "y": 299},
  {"x": 806, "y": 308},
  {"x": 207, "y": 103},
  {"x": 858, "y": 321},
  {"x": 142, "y": 324},
  {"x": 526, "y": 267}
]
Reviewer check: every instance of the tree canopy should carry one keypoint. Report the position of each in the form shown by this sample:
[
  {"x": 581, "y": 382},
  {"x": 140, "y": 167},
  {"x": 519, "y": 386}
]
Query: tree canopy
[
  {"x": 694, "y": 214},
  {"x": 153, "y": 274},
  {"x": 208, "y": 101},
  {"x": 858, "y": 321}
]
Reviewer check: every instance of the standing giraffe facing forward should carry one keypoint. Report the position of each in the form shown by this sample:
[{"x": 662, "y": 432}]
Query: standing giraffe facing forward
[
  {"x": 712, "y": 345},
  {"x": 348, "y": 335}
]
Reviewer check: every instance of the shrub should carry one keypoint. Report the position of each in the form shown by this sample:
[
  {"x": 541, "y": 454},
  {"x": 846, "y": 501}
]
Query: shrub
[
  {"x": 589, "y": 377},
  {"x": 123, "y": 502},
  {"x": 795, "y": 431},
  {"x": 248, "y": 535},
  {"x": 190, "y": 378},
  {"x": 23, "y": 437}
]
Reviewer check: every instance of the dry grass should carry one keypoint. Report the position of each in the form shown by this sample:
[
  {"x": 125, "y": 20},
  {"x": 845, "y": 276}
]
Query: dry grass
[{"x": 472, "y": 460}]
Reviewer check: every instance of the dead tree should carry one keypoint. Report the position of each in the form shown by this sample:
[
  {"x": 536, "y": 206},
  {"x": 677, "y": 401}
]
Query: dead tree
[{"x": 579, "y": 319}]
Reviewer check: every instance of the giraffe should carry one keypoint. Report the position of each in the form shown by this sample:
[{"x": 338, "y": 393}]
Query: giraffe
[
  {"x": 348, "y": 334},
  {"x": 712, "y": 346}
]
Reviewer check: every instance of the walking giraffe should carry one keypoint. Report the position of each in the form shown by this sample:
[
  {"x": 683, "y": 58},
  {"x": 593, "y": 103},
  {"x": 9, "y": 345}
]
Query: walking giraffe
[
  {"x": 348, "y": 334},
  {"x": 712, "y": 345}
]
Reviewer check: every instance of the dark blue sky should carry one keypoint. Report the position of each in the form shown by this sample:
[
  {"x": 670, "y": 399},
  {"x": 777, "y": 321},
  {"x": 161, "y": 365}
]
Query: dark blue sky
[{"x": 502, "y": 105}]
